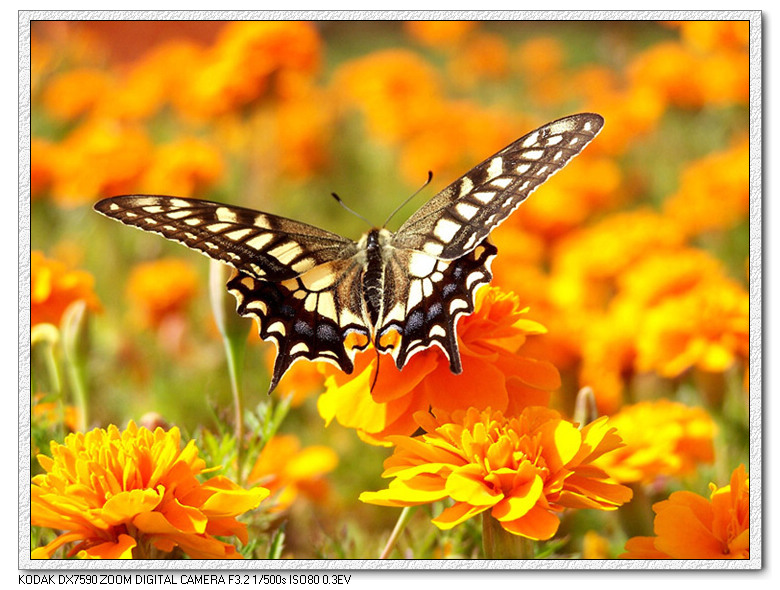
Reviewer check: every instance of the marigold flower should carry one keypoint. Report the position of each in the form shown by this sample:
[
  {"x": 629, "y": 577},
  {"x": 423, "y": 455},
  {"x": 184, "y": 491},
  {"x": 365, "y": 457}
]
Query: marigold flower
[
  {"x": 183, "y": 167},
  {"x": 707, "y": 327},
  {"x": 54, "y": 286},
  {"x": 523, "y": 469},
  {"x": 440, "y": 33},
  {"x": 100, "y": 158},
  {"x": 76, "y": 92},
  {"x": 240, "y": 67},
  {"x": 705, "y": 35},
  {"x": 662, "y": 439},
  {"x": 496, "y": 373},
  {"x": 135, "y": 494},
  {"x": 286, "y": 470},
  {"x": 43, "y": 156},
  {"x": 161, "y": 288},
  {"x": 395, "y": 89},
  {"x": 482, "y": 57},
  {"x": 723, "y": 176},
  {"x": 688, "y": 526}
]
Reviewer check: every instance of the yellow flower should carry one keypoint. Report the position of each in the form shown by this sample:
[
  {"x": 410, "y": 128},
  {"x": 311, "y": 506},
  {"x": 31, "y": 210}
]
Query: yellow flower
[
  {"x": 496, "y": 373},
  {"x": 524, "y": 470},
  {"x": 286, "y": 470},
  {"x": 662, "y": 439},
  {"x": 54, "y": 286},
  {"x": 161, "y": 288},
  {"x": 134, "y": 494},
  {"x": 688, "y": 526}
]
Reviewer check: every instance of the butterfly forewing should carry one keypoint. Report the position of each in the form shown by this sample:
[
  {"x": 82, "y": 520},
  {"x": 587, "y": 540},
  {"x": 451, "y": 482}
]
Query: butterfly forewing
[
  {"x": 260, "y": 244},
  {"x": 457, "y": 219}
]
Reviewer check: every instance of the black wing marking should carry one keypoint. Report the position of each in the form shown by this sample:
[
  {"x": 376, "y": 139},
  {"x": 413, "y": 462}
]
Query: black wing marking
[
  {"x": 259, "y": 244},
  {"x": 309, "y": 316},
  {"x": 457, "y": 219},
  {"x": 426, "y": 296}
]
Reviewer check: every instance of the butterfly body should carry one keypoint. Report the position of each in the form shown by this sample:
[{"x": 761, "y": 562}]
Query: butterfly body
[{"x": 320, "y": 296}]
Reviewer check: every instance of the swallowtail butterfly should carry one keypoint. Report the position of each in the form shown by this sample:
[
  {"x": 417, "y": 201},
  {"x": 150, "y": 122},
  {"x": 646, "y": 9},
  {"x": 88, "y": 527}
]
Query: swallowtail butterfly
[{"x": 320, "y": 296}]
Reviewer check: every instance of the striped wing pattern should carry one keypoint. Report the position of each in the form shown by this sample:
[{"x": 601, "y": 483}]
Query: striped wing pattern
[
  {"x": 457, "y": 219},
  {"x": 315, "y": 294}
]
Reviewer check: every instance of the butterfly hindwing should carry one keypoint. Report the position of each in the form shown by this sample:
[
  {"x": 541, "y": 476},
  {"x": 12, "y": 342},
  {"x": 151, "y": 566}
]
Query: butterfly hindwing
[
  {"x": 426, "y": 296},
  {"x": 462, "y": 215},
  {"x": 308, "y": 316},
  {"x": 260, "y": 244}
]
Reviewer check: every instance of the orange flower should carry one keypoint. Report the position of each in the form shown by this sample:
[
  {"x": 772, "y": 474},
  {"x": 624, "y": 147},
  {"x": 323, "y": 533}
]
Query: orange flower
[
  {"x": 183, "y": 167},
  {"x": 704, "y": 35},
  {"x": 722, "y": 178},
  {"x": 239, "y": 69},
  {"x": 662, "y": 439},
  {"x": 51, "y": 413},
  {"x": 494, "y": 375},
  {"x": 688, "y": 526},
  {"x": 100, "y": 158},
  {"x": 397, "y": 91},
  {"x": 286, "y": 470},
  {"x": 43, "y": 156},
  {"x": 54, "y": 286},
  {"x": 707, "y": 327},
  {"x": 440, "y": 33},
  {"x": 161, "y": 288},
  {"x": 76, "y": 92},
  {"x": 482, "y": 57},
  {"x": 135, "y": 495},
  {"x": 524, "y": 469}
]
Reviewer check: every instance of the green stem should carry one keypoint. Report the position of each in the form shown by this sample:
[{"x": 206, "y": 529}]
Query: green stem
[
  {"x": 235, "y": 349},
  {"x": 497, "y": 543},
  {"x": 400, "y": 525},
  {"x": 636, "y": 517}
]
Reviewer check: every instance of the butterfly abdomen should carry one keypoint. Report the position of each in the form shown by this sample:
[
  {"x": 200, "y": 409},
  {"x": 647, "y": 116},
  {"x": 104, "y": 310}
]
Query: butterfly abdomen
[{"x": 373, "y": 277}]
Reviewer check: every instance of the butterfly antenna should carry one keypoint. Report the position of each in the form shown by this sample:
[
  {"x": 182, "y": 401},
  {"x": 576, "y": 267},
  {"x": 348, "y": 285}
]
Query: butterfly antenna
[
  {"x": 397, "y": 209},
  {"x": 355, "y": 213}
]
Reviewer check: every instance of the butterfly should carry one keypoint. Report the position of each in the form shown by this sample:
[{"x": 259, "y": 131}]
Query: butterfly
[{"x": 323, "y": 297}]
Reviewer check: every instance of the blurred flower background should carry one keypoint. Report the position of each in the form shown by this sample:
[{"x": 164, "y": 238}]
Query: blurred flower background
[{"x": 626, "y": 274}]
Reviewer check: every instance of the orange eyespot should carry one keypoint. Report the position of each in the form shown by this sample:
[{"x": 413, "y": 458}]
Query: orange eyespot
[
  {"x": 389, "y": 340},
  {"x": 355, "y": 340}
]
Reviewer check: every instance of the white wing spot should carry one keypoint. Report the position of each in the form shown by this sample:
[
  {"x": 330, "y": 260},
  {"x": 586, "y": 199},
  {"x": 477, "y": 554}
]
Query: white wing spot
[
  {"x": 177, "y": 214},
  {"x": 129, "y": 214},
  {"x": 496, "y": 167},
  {"x": 467, "y": 211},
  {"x": 542, "y": 170},
  {"x": 278, "y": 327},
  {"x": 237, "y": 234},
  {"x": 179, "y": 203},
  {"x": 531, "y": 140},
  {"x": 114, "y": 207},
  {"x": 433, "y": 248},
  {"x": 427, "y": 287},
  {"x": 149, "y": 220},
  {"x": 445, "y": 229},
  {"x": 286, "y": 253},
  {"x": 225, "y": 214},
  {"x": 458, "y": 304},
  {"x": 437, "y": 330},
  {"x": 303, "y": 265},
  {"x": 258, "y": 242},
  {"x": 262, "y": 221},
  {"x": 587, "y": 126},
  {"x": 470, "y": 242},
  {"x": 574, "y": 140},
  {"x": 218, "y": 227},
  {"x": 465, "y": 186},
  {"x": 554, "y": 140},
  {"x": 484, "y": 197},
  {"x": 421, "y": 265},
  {"x": 257, "y": 305},
  {"x": 501, "y": 182},
  {"x": 193, "y": 221},
  {"x": 533, "y": 154},
  {"x": 523, "y": 168},
  {"x": 415, "y": 294},
  {"x": 153, "y": 209},
  {"x": 299, "y": 347}
]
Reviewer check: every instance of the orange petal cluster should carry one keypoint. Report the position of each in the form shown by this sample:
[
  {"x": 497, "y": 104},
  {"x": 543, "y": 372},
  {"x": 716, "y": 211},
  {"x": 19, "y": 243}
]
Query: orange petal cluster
[
  {"x": 495, "y": 374},
  {"x": 524, "y": 469},
  {"x": 287, "y": 470},
  {"x": 135, "y": 494},
  {"x": 662, "y": 438},
  {"x": 54, "y": 286},
  {"x": 160, "y": 288},
  {"x": 689, "y": 526}
]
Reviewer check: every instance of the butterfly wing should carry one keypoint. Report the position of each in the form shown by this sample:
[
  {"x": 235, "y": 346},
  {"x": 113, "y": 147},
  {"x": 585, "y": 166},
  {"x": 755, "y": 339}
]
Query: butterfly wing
[
  {"x": 297, "y": 280},
  {"x": 444, "y": 244},
  {"x": 461, "y": 216}
]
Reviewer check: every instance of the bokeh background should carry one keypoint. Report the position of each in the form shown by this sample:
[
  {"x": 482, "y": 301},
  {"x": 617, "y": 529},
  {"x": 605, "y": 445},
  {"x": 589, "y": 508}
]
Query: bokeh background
[{"x": 635, "y": 257}]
